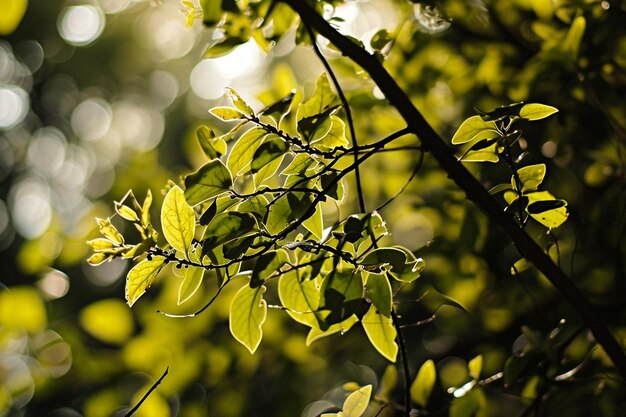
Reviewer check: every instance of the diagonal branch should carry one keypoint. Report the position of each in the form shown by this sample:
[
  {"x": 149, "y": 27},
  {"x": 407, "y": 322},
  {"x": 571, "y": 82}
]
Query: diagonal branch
[{"x": 465, "y": 180}]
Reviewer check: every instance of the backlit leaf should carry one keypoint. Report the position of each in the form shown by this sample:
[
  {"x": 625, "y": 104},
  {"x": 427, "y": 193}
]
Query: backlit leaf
[
  {"x": 378, "y": 291},
  {"x": 357, "y": 402},
  {"x": 228, "y": 226},
  {"x": 272, "y": 148},
  {"x": 341, "y": 296},
  {"x": 212, "y": 179},
  {"x": 535, "y": 111},
  {"x": 248, "y": 312},
  {"x": 190, "y": 284},
  {"x": 315, "y": 223},
  {"x": 267, "y": 265},
  {"x": 141, "y": 276},
  {"x": 178, "y": 220},
  {"x": 550, "y": 217},
  {"x": 317, "y": 333},
  {"x": 530, "y": 176},
  {"x": 381, "y": 333},
  {"x": 300, "y": 296},
  {"x": 212, "y": 146},
  {"x": 474, "y": 128},
  {"x": 423, "y": 384},
  {"x": 243, "y": 151},
  {"x": 239, "y": 103},
  {"x": 227, "y": 113}
]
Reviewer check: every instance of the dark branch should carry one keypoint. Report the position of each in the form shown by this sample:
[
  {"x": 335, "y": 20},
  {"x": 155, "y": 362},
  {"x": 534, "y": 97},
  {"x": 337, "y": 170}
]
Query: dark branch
[{"x": 465, "y": 180}]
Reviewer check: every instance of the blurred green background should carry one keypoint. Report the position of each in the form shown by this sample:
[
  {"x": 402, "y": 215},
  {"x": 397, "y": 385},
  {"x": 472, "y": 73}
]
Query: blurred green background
[{"x": 98, "y": 97}]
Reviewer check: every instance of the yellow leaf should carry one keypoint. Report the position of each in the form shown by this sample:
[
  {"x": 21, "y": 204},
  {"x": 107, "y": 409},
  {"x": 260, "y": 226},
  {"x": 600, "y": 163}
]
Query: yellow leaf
[
  {"x": 12, "y": 12},
  {"x": 248, "y": 312},
  {"x": 381, "y": 333},
  {"x": 178, "y": 220},
  {"x": 141, "y": 277},
  {"x": 356, "y": 403},
  {"x": 423, "y": 383}
]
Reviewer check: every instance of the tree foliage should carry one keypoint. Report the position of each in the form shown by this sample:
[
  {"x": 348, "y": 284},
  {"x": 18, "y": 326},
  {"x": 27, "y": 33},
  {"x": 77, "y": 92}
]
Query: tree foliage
[{"x": 318, "y": 220}]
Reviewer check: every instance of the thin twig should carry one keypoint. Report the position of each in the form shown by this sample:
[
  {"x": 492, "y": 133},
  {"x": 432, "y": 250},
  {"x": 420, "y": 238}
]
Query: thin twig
[
  {"x": 145, "y": 397},
  {"x": 346, "y": 107},
  {"x": 405, "y": 364}
]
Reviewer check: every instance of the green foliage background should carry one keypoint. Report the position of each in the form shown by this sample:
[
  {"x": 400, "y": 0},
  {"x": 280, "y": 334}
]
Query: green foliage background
[{"x": 70, "y": 345}]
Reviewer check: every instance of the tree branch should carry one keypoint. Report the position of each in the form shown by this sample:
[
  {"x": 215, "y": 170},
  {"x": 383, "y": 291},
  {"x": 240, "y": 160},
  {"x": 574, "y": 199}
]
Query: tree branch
[{"x": 464, "y": 179}]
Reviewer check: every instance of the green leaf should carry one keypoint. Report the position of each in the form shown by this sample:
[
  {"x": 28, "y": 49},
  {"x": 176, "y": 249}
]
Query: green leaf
[
  {"x": 488, "y": 154},
  {"x": 212, "y": 146},
  {"x": 317, "y": 333},
  {"x": 398, "y": 261},
  {"x": 257, "y": 206},
  {"x": 272, "y": 148},
  {"x": 423, "y": 384},
  {"x": 140, "y": 277},
  {"x": 378, "y": 291},
  {"x": 190, "y": 284},
  {"x": 109, "y": 231},
  {"x": 227, "y": 226},
  {"x": 313, "y": 128},
  {"x": 212, "y": 179},
  {"x": 381, "y": 333},
  {"x": 530, "y": 176},
  {"x": 474, "y": 128},
  {"x": 299, "y": 165},
  {"x": 243, "y": 151},
  {"x": 300, "y": 296},
  {"x": 341, "y": 296},
  {"x": 267, "y": 172},
  {"x": 239, "y": 103},
  {"x": 11, "y": 16},
  {"x": 313, "y": 115},
  {"x": 279, "y": 215},
  {"x": 315, "y": 223},
  {"x": 248, "y": 312},
  {"x": 267, "y": 265},
  {"x": 227, "y": 113},
  {"x": 357, "y": 402},
  {"x": 126, "y": 212},
  {"x": 323, "y": 99},
  {"x": 535, "y": 111},
  {"x": 280, "y": 108},
  {"x": 543, "y": 212},
  {"x": 336, "y": 136},
  {"x": 178, "y": 220},
  {"x": 500, "y": 113}
]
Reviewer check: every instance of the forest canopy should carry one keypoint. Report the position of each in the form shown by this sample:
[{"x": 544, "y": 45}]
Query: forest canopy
[{"x": 321, "y": 207}]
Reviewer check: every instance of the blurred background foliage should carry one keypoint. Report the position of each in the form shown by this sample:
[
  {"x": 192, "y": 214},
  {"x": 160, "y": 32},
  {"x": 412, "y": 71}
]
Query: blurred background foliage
[{"x": 97, "y": 97}]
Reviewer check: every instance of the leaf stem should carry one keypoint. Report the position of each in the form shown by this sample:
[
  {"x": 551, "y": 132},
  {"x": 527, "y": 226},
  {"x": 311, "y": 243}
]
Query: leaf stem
[{"x": 346, "y": 107}]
